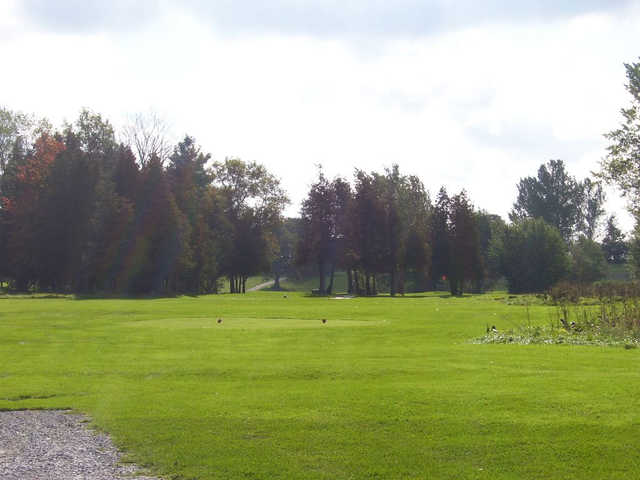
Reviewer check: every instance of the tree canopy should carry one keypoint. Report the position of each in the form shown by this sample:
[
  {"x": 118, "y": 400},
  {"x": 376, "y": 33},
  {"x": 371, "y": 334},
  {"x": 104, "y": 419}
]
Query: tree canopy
[
  {"x": 560, "y": 200},
  {"x": 621, "y": 166},
  {"x": 533, "y": 256}
]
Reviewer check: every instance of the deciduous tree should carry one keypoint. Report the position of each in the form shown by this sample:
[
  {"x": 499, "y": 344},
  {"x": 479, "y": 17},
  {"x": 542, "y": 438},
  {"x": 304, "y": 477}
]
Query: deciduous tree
[
  {"x": 533, "y": 256},
  {"x": 621, "y": 166},
  {"x": 554, "y": 195},
  {"x": 254, "y": 201}
]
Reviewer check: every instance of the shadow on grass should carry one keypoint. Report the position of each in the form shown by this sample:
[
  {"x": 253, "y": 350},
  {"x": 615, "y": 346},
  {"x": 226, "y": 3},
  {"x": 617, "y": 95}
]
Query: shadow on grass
[{"x": 379, "y": 296}]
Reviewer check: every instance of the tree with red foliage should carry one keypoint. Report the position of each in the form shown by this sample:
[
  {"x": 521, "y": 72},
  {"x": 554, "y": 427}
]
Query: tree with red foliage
[{"x": 23, "y": 184}]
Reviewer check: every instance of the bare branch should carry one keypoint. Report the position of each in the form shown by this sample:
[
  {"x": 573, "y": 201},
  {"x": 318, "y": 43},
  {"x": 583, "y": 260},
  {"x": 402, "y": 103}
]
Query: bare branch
[{"x": 148, "y": 135}]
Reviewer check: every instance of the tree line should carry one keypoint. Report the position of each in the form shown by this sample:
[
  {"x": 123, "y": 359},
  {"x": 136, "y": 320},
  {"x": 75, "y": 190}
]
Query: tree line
[
  {"x": 383, "y": 225},
  {"x": 82, "y": 211}
]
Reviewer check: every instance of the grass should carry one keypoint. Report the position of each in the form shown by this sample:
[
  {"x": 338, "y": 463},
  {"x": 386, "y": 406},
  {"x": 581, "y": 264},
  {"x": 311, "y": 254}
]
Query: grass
[
  {"x": 306, "y": 285},
  {"x": 387, "y": 388}
]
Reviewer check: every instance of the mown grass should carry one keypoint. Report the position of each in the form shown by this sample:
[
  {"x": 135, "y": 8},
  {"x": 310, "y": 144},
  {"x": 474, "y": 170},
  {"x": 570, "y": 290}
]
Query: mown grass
[
  {"x": 387, "y": 388},
  {"x": 306, "y": 285}
]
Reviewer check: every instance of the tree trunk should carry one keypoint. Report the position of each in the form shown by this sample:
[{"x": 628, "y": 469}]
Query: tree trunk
[
  {"x": 330, "y": 287},
  {"x": 453, "y": 286},
  {"x": 401, "y": 281},
  {"x": 322, "y": 279},
  {"x": 368, "y": 284},
  {"x": 392, "y": 282},
  {"x": 244, "y": 284},
  {"x": 349, "y": 281},
  {"x": 374, "y": 283},
  {"x": 276, "y": 282}
]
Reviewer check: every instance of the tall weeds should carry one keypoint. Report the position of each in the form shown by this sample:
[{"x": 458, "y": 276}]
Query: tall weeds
[{"x": 606, "y": 313}]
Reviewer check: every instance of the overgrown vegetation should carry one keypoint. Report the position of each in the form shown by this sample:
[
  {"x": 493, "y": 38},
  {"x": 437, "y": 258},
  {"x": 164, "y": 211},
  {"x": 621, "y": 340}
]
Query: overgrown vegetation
[{"x": 605, "y": 313}]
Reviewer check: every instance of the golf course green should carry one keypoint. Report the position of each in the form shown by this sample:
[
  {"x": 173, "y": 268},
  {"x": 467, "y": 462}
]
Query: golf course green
[{"x": 257, "y": 386}]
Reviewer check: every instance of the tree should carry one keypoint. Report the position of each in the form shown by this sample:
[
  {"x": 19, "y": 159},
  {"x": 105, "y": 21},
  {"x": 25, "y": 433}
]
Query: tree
[
  {"x": 160, "y": 250},
  {"x": 455, "y": 241},
  {"x": 253, "y": 200},
  {"x": 189, "y": 182},
  {"x": 634, "y": 252},
  {"x": 386, "y": 230},
  {"x": 147, "y": 135},
  {"x": 18, "y": 131},
  {"x": 211, "y": 237},
  {"x": 613, "y": 244},
  {"x": 553, "y": 195},
  {"x": 188, "y": 177},
  {"x": 110, "y": 227},
  {"x": 588, "y": 263},
  {"x": 94, "y": 135},
  {"x": 490, "y": 230},
  {"x": 592, "y": 210},
  {"x": 322, "y": 213},
  {"x": 621, "y": 166},
  {"x": 395, "y": 223},
  {"x": 286, "y": 237},
  {"x": 533, "y": 256},
  {"x": 417, "y": 250},
  {"x": 365, "y": 232},
  {"x": 440, "y": 237},
  {"x": 465, "y": 263},
  {"x": 23, "y": 205}
]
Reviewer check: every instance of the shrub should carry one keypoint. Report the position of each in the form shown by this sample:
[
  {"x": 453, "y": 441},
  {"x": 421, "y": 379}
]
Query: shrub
[{"x": 533, "y": 256}]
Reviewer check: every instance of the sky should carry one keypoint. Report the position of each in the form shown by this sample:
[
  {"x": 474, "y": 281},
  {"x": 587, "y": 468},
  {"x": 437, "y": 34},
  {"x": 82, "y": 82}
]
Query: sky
[{"x": 465, "y": 94}]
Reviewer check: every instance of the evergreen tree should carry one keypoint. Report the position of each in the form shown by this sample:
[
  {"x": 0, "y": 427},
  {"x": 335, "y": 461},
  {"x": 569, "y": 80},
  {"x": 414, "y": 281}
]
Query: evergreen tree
[
  {"x": 69, "y": 200},
  {"x": 417, "y": 250},
  {"x": 160, "y": 249},
  {"x": 440, "y": 238},
  {"x": 23, "y": 205},
  {"x": 613, "y": 244},
  {"x": 366, "y": 233},
  {"x": 465, "y": 262}
]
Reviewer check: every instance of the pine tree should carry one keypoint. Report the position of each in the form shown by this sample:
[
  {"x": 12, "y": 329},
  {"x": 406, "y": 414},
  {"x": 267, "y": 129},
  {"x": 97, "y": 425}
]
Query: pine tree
[
  {"x": 440, "y": 238},
  {"x": 465, "y": 261},
  {"x": 613, "y": 244}
]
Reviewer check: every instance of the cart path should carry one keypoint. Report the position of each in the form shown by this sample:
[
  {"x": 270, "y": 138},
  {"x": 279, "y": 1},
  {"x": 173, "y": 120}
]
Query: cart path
[
  {"x": 264, "y": 285},
  {"x": 56, "y": 444}
]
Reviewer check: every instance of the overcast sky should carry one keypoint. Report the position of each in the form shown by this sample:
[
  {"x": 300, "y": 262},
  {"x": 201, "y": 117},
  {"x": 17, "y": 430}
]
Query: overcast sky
[{"x": 462, "y": 93}]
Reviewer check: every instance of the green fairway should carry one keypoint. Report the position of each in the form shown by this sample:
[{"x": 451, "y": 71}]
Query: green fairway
[{"x": 386, "y": 388}]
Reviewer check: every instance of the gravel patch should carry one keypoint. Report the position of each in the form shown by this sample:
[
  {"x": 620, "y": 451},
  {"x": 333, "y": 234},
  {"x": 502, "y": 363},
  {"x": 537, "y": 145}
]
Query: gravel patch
[{"x": 57, "y": 445}]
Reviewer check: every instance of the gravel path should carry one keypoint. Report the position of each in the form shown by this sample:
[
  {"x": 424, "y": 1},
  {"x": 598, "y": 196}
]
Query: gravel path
[{"x": 57, "y": 445}]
